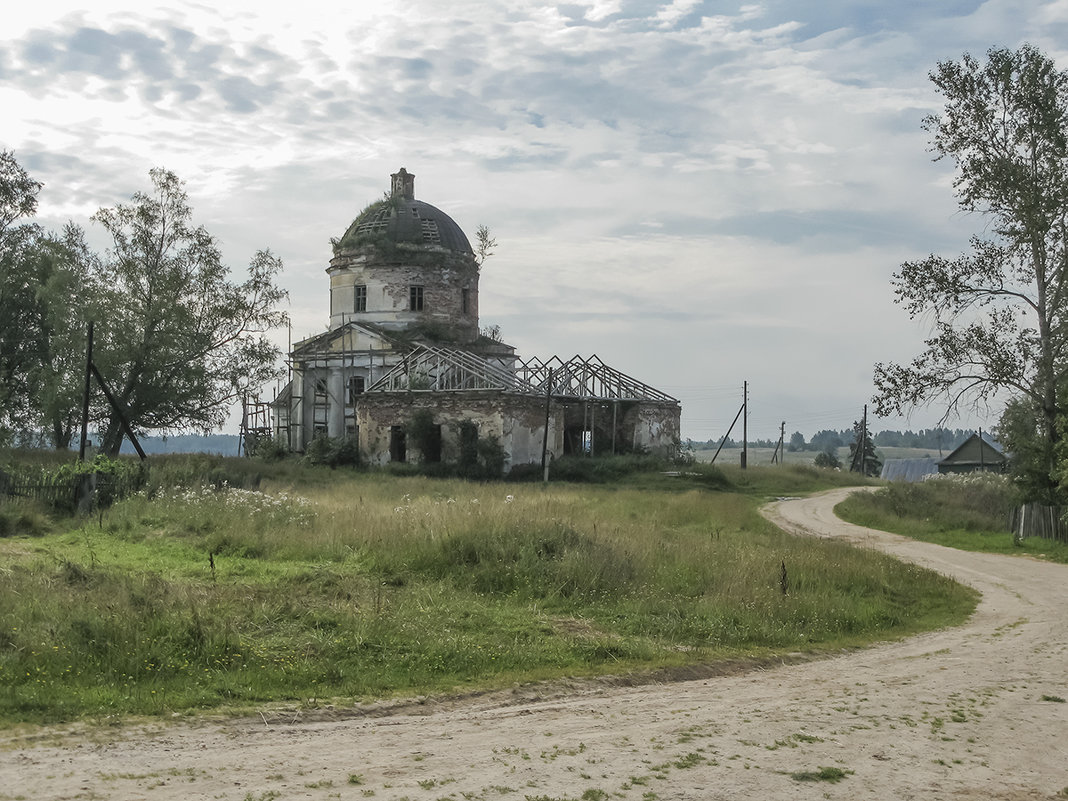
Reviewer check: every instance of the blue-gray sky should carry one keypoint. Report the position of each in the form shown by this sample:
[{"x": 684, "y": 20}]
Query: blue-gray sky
[{"x": 701, "y": 193}]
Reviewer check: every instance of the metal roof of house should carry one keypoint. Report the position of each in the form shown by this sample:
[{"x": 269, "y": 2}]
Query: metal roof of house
[
  {"x": 909, "y": 470},
  {"x": 975, "y": 451}
]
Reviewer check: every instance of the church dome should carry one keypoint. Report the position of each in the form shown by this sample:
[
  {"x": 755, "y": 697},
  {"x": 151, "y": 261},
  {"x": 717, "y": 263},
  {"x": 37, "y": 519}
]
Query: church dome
[{"x": 401, "y": 219}]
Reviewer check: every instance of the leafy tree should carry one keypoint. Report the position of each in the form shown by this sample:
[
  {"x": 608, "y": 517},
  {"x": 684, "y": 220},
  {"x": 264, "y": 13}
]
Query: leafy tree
[
  {"x": 825, "y": 440},
  {"x": 867, "y": 461},
  {"x": 1000, "y": 312},
  {"x": 46, "y": 292},
  {"x": 67, "y": 294},
  {"x": 18, "y": 193},
  {"x": 182, "y": 342},
  {"x": 18, "y": 200},
  {"x": 797, "y": 442},
  {"x": 828, "y": 459}
]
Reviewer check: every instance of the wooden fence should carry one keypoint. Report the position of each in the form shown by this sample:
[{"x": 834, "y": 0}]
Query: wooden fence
[
  {"x": 81, "y": 493},
  {"x": 1037, "y": 520}
]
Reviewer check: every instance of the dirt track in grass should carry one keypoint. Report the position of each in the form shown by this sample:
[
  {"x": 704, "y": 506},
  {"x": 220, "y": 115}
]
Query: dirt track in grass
[{"x": 965, "y": 713}]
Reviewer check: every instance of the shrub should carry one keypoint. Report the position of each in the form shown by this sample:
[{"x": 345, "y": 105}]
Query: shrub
[
  {"x": 333, "y": 452},
  {"x": 828, "y": 460},
  {"x": 491, "y": 457},
  {"x": 269, "y": 449},
  {"x": 318, "y": 450},
  {"x": 22, "y": 520},
  {"x": 605, "y": 469},
  {"x": 528, "y": 471},
  {"x": 193, "y": 470},
  {"x": 467, "y": 434},
  {"x": 425, "y": 435}
]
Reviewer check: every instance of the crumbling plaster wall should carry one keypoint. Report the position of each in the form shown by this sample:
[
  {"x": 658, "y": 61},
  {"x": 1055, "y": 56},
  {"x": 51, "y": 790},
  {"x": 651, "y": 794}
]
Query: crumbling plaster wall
[
  {"x": 517, "y": 421},
  {"x": 657, "y": 427},
  {"x": 443, "y": 276}
]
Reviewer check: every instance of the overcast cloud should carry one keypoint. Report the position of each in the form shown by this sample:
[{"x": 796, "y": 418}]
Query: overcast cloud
[{"x": 701, "y": 193}]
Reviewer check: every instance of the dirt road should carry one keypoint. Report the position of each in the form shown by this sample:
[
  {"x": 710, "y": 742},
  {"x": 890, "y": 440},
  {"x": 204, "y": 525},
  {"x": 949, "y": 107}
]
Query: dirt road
[{"x": 968, "y": 713}]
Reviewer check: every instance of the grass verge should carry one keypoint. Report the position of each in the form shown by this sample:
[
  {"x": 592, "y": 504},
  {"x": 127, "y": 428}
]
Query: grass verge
[
  {"x": 969, "y": 512},
  {"x": 368, "y": 586}
]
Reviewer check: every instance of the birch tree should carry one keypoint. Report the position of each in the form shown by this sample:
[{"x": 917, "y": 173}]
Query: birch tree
[{"x": 999, "y": 313}]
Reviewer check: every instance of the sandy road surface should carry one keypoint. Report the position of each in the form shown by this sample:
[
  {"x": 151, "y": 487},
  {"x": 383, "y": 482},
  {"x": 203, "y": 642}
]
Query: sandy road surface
[{"x": 956, "y": 714}]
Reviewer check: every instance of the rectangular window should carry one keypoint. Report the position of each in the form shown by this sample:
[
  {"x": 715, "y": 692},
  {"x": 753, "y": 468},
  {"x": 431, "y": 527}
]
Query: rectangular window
[
  {"x": 320, "y": 390},
  {"x": 415, "y": 298},
  {"x": 359, "y": 298},
  {"x": 356, "y": 387},
  {"x": 465, "y": 302}
]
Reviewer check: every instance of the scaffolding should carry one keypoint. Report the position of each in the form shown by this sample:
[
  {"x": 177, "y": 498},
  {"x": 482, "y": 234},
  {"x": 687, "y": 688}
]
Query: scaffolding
[{"x": 255, "y": 422}]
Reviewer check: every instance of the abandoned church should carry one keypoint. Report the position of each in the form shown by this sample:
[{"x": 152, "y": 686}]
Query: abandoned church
[{"x": 404, "y": 345}]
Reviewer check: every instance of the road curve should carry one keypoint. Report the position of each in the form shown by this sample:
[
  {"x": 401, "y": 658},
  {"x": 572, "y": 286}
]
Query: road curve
[{"x": 965, "y": 713}]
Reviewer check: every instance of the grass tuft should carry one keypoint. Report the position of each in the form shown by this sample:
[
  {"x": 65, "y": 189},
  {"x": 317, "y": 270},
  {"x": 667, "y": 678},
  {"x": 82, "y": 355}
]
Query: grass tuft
[{"x": 822, "y": 774}]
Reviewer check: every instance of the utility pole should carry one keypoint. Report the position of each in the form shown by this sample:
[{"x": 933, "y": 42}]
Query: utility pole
[
  {"x": 780, "y": 448},
  {"x": 860, "y": 452},
  {"x": 745, "y": 423},
  {"x": 85, "y": 398},
  {"x": 864, "y": 442},
  {"x": 545, "y": 434},
  {"x": 729, "y": 430}
]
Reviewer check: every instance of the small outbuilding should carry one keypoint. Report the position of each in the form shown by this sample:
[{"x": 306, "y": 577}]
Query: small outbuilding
[
  {"x": 974, "y": 455},
  {"x": 909, "y": 470}
]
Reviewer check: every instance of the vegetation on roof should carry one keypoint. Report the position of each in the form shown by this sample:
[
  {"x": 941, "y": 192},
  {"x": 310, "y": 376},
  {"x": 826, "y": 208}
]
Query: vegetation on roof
[{"x": 351, "y": 237}]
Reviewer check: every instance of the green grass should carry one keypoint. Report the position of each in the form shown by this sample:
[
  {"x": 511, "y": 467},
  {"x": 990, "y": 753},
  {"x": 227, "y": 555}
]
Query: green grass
[
  {"x": 823, "y": 774},
  {"x": 966, "y": 512},
  {"x": 365, "y": 586}
]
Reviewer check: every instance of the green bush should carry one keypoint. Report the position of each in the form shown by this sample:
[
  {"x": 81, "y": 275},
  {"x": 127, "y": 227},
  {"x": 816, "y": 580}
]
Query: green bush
[
  {"x": 605, "y": 469},
  {"x": 269, "y": 449},
  {"x": 333, "y": 452},
  {"x": 424, "y": 435},
  {"x": 827, "y": 460},
  {"x": 198, "y": 469},
  {"x": 22, "y": 519}
]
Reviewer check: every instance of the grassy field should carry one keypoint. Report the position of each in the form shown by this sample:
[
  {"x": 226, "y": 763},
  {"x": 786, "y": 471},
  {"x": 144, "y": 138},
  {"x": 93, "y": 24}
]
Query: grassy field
[
  {"x": 328, "y": 587},
  {"x": 761, "y": 457},
  {"x": 969, "y": 512}
]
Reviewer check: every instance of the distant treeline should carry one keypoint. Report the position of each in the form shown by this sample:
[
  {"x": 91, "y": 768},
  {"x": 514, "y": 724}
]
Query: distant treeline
[{"x": 828, "y": 440}]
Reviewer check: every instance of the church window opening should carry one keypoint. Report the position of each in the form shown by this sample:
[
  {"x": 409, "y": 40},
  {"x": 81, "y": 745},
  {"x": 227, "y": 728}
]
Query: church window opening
[
  {"x": 465, "y": 301},
  {"x": 359, "y": 298},
  {"x": 415, "y": 298},
  {"x": 357, "y": 385}
]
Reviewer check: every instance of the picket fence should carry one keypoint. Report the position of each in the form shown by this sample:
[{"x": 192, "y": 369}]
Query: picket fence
[{"x": 1038, "y": 520}]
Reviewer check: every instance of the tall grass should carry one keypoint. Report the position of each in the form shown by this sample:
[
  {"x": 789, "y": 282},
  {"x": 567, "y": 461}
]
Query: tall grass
[
  {"x": 970, "y": 512},
  {"x": 367, "y": 586}
]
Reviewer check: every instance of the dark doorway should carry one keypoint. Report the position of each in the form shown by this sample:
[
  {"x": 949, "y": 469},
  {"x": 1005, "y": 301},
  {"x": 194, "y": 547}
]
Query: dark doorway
[{"x": 398, "y": 444}]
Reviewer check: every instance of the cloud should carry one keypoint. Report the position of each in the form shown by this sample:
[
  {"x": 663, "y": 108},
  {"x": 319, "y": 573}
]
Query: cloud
[
  {"x": 161, "y": 63},
  {"x": 677, "y": 188}
]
